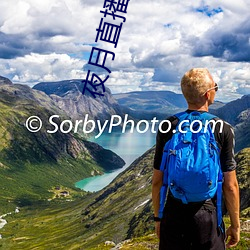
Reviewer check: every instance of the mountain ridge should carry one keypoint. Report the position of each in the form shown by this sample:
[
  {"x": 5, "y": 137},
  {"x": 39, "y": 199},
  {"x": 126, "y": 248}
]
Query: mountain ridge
[
  {"x": 154, "y": 103},
  {"x": 4, "y": 80},
  {"x": 237, "y": 113},
  {"x": 230, "y": 111},
  {"x": 58, "y": 159},
  {"x": 68, "y": 96}
]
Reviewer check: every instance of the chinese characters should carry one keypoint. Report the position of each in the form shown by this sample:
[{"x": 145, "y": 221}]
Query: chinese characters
[{"x": 107, "y": 32}]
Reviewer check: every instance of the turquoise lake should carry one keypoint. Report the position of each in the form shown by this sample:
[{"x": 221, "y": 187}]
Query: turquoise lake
[{"x": 129, "y": 146}]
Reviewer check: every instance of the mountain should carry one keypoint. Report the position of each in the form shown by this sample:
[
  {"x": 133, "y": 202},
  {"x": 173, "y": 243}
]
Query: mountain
[
  {"x": 68, "y": 97},
  {"x": 216, "y": 105},
  {"x": 237, "y": 114},
  {"x": 232, "y": 110},
  {"x": 243, "y": 175},
  {"x": 138, "y": 105},
  {"x": 149, "y": 104},
  {"x": 32, "y": 163},
  {"x": 242, "y": 130},
  {"x": 4, "y": 80}
]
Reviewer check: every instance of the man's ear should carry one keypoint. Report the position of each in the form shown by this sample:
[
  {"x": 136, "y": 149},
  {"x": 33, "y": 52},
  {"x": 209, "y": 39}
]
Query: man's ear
[{"x": 207, "y": 95}]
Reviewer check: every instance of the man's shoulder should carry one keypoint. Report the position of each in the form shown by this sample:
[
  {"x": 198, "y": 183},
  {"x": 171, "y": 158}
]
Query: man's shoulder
[
  {"x": 172, "y": 119},
  {"x": 227, "y": 127}
]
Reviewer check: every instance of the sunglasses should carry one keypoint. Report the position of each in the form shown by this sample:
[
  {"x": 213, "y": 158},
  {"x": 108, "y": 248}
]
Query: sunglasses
[{"x": 216, "y": 87}]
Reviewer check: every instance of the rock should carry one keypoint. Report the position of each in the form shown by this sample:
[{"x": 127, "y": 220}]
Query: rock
[
  {"x": 109, "y": 243},
  {"x": 2, "y": 223},
  {"x": 68, "y": 96},
  {"x": 4, "y": 80},
  {"x": 243, "y": 175}
]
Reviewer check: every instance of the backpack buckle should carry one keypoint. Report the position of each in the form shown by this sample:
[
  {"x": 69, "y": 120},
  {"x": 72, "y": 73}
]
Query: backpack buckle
[{"x": 172, "y": 152}]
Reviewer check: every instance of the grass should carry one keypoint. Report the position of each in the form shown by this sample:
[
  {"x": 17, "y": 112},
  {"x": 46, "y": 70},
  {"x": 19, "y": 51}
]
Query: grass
[
  {"x": 150, "y": 242},
  {"x": 51, "y": 225},
  {"x": 92, "y": 218},
  {"x": 31, "y": 183},
  {"x": 244, "y": 243},
  {"x": 31, "y": 164}
]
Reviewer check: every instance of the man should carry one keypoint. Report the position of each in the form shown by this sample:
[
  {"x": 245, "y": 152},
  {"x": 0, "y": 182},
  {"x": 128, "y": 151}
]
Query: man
[{"x": 194, "y": 225}]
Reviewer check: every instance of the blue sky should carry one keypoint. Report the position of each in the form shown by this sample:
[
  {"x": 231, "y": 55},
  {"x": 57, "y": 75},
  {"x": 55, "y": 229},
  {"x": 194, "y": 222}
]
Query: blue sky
[{"x": 51, "y": 40}]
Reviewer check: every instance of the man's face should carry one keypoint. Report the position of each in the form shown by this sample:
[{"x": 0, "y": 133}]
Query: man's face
[{"x": 211, "y": 93}]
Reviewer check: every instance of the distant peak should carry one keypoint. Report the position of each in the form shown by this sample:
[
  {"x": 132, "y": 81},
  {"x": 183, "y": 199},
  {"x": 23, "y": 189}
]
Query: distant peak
[{"x": 4, "y": 80}]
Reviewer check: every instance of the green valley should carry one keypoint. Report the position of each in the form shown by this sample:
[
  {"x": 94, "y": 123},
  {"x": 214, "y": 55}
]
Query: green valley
[
  {"x": 32, "y": 163},
  {"x": 120, "y": 212}
]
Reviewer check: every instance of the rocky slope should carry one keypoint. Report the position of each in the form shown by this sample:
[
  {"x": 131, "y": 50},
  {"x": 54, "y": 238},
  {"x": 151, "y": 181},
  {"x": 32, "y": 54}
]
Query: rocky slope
[
  {"x": 242, "y": 130},
  {"x": 68, "y": 96},
  {"x": 232, "y": 110},
  {"x": 243, "y": 175},
  {"x": 4, "y": 80},
  {"x": 31, "y": 163},
  {"x": 125, "y": 206},
  {"x": 237, "y": 114}
]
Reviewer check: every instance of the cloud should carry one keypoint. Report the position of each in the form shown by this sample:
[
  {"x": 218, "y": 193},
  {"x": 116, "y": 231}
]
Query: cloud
[
  {"x": 231, "y": 45},
  {"x": 159, "y": 42},
  {"x": 169, "y": 74},
  {"x": 34, "y": 68},
  {"x": 44, "y": 27}
]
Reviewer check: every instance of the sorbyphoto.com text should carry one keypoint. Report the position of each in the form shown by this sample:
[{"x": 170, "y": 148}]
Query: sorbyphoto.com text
[{"x": 87, "y": 126}]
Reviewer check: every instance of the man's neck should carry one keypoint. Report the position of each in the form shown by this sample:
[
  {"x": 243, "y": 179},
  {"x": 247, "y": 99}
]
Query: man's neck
[{"x": 198, "y": 107}]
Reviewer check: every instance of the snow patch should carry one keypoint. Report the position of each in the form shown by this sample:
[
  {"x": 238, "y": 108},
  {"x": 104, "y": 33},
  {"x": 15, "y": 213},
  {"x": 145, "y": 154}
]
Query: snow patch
[
  {"x": 143, "y": 186},
  {"x": 2, "y": 223},
  {"x": 142, "y": 204}
]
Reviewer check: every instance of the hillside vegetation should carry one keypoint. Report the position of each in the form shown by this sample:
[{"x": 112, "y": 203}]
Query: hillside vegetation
[
  {"x": 121, "y": 211},
  {"x": 32, "y": 163}
]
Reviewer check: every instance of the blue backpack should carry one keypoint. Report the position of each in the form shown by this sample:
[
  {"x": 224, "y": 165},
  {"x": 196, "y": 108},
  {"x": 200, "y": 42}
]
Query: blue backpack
[{"x": 191, "y": 162}]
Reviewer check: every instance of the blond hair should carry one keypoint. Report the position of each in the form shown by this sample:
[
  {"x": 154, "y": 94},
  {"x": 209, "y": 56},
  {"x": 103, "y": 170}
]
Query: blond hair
[{"x": 195, "y": 83}]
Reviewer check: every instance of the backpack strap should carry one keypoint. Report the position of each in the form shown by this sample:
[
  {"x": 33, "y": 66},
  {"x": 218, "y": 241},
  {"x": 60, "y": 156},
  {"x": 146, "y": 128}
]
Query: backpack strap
[
  {"x": 219, "y": 200},
  {"x": 208, "y": 116},
  {"x": 182, "y": 115},
  {"x": 164, "y": 188},
  {"x": 163, "y": 194}
]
